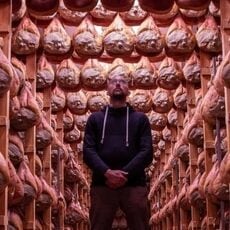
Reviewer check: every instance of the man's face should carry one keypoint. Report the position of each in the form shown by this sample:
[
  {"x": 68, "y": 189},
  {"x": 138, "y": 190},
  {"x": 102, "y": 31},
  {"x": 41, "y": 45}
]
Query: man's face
[{"x": 118, "y": 88}]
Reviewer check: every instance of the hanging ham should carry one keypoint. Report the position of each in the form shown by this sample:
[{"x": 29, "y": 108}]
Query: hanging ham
[
  {"x": 117, "y": 5},
  {"x": 70, "y": 15},
  {"x": 55, "y": 39},
  {"x": 80, "y": 5},
  {"x": 77, "y": 102},
  {"x": 41, "y": 7},
  {"x": 141, "y": 100},
  {"x": 26, "y": 38},
  {"x": 93, "y": 75},
  {"x": 179, "y": 37},
  {"x": 169, "y": 74},
  {"x": 154, "y": 6},
  {"x": 45, "y": 74},
  {"x": 96, "y": 101},
  {"x": 68, "y": 75},
  {"x": 149, "y": 39},
  {"x": 208, "y": 36},
  {"x": 162, "y": 100},
  {"x": 118, "y": 38},
  {"x": 86, "y": 40}
]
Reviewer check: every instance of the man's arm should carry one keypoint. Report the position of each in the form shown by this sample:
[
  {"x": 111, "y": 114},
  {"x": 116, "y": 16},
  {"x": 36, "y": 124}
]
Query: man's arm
[
  {"x": 145, "y": 155},
  {"x": 90, "y": 155}
]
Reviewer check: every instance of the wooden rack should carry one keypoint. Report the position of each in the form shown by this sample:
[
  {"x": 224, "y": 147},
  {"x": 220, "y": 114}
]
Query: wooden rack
[{"x": 5, "y": 37}]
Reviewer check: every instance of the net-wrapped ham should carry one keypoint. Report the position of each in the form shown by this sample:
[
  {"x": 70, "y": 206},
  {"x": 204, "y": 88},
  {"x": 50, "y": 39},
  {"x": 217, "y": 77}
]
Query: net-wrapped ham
[
  {"x": 70, "y": 15},
  {"x": 115, "y": 5},
  {"x": 24, "y": 110},
  {"x": 77, "y": 102},
  {"x": 47, "y": 198},
  {"x": 214, "y": 8},
  {"x": 192, "y": 4},
  {"x": 118, "y": 38},
  {"x": 96, "y": 101},
  {"x": 135, "y": 15},
  {"x": 193, "y": 130},
  {"x": 179, "y": 37},
  {"x": 18, "y": 10},
  {"x": 58, "y": 100},
  {"x": 167, "y": 134},
  {"x": 93, "y": 75},
  {"x": 192, "y": 69},
  {"x": 167, "y": 18},
  {"x": 4, "y": 173},
  {"x": 141, "y": 100},
  {"x": 37, "y": 7},
  {"x": 86, "y": 40},
  {"x": 149, "y": 39},
  {"x": 58, "y": 151},
  {"x": 68, "y": 75},
  {"x": 28, "y": 180},
  {"x": 225, "y": 168},
  {"x": 6, "y": 73},
  {"x": 80, "y": 121},
  {"x": 15, "y": 187},
  {"x": 193, "y": 13},
  {"x": 180, "y": 98},
  {"x": 172, "y": 118},
  {"x": 144, "y": 74},
  {"x": 169, "y": 74},
  {"x": 55, "y": 39},
  {"x": 20, "y": 69},
  {"x": 74, "y": 214},
  {"x": 120, "y": 68},
  {"x": 157, "y": 121},
  {"x": 45, "y": 74},
  {"x": 80, "y": 5},
  {"x": 224, "y": 72},
  {"x": 26, "y": 38},
  {"x": 44, "y": 134},
  {"x": 181, "y": 149},
  {"x": 73, "y": 136},
  {"x": 72, "y": 170},
  {"x": 15, "y": 221},
  {"x": 156, "y": 136},
  {"x": 208, "y": 36},
  {"x": 101, "y": 15},
  {"x": 213, "y": 106},
  {"x": 16, "y": 149},
  {"x": 68, "y": 120},
  {"x": 160, "y": 7},
  {"x": 162, "y": 100}
]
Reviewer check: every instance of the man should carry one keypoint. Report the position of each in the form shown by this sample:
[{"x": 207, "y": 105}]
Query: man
[{"x": 118, "y": 147}]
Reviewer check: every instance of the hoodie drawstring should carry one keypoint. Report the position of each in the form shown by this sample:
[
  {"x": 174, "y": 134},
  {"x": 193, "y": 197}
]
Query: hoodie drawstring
[
  {"x": 127, "y": 126},
  {"x": 104, "y": 123}
]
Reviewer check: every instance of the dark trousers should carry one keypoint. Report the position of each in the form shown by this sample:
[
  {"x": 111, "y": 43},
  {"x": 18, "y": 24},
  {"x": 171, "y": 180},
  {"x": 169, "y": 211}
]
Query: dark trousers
[{"x": 131, "y": 200}]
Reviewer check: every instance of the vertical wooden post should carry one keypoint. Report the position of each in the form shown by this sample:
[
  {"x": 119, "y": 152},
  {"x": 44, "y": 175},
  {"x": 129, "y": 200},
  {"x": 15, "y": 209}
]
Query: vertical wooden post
[
  {"x": 30, "y": 141},
  {"x": 5, "y": 35},
  {"x": 60, "y": 168},
  {"x": 47, "y": 156},
  {"x": 193, "y": 154},
  {"x": 225, "y": 26},
  {"x": 209, "y": 147}
]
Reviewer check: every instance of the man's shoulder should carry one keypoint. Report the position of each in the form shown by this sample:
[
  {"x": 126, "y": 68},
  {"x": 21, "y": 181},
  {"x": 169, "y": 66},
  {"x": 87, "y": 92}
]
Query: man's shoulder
[
  {"x": 96, "y": 115},
  {"x": 139, "y": 114}
]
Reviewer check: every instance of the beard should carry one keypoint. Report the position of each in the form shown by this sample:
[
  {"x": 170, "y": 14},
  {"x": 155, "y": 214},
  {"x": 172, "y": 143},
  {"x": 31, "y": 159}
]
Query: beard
[{"x": 118, "y": 96}]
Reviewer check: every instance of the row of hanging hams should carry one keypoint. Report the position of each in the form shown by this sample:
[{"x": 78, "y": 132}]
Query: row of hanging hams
[
  {"x": 36, "y": 7},
  {"x": 116, "y": 40}
]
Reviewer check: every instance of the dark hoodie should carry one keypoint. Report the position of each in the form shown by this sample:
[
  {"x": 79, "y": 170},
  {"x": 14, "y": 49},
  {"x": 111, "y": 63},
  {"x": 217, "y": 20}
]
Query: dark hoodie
[{"x": 118, "y": 138}]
